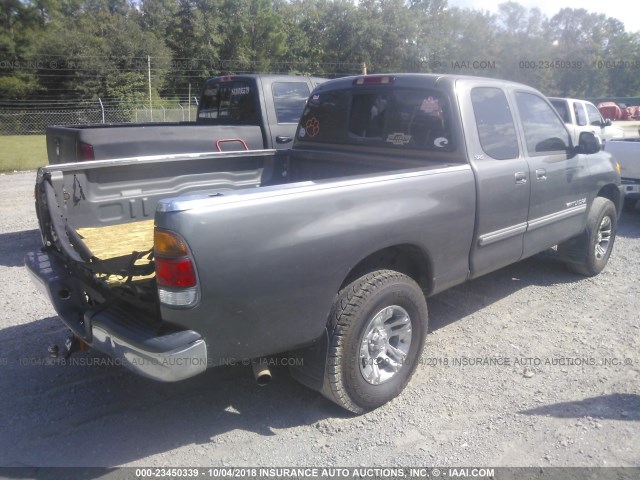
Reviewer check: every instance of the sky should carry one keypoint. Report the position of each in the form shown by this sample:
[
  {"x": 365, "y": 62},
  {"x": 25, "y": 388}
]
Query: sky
[{"x": 626, "y": 12}]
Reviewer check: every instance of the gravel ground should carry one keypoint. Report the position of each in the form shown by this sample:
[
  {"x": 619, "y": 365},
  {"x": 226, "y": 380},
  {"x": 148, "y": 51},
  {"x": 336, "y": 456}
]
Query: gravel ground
[{"x": 566, "y": 393}]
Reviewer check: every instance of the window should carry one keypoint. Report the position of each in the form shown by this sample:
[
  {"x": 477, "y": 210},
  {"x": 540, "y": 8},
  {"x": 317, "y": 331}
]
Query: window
[
  {"x": 399, "y": 118},
  {"x": 229, "y": 102},
  {"x": 543, "y": 130},
  {"x": 595, "y": 118},
  {"x": 581, "y": 117},
  {"x": 494, "y": 121},
  {"x": 289, "y": 99},
  {"x": 562, "y": 108}
]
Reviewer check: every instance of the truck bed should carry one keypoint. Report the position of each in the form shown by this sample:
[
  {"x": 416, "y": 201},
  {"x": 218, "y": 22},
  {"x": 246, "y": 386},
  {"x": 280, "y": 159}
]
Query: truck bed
[
  {"x": 111, "y": 204},
  {"x": 627, "y": 153}
]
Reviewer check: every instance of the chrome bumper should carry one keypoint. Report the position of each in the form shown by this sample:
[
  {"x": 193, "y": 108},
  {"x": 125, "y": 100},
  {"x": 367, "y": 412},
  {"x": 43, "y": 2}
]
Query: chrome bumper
[{"x": 166, "y": 366}]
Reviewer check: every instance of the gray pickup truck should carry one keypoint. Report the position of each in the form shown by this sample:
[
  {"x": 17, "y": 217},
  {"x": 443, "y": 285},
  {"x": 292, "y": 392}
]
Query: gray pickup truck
[
  {"x": 250, "y": 112},
  {"x": 397, "y": 187}
]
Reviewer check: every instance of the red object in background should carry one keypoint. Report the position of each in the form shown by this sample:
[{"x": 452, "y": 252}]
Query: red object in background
[
  {"x": 633, "y": 113},
  {"x": 612, "y": 111}
]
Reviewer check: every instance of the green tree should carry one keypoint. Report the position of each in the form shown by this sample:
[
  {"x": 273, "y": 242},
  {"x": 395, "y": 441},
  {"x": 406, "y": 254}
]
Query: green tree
[
  {"x": 101, "y": 52},
  {"x": 253, "y": 35},
  {"x": 19, "y": 22}
]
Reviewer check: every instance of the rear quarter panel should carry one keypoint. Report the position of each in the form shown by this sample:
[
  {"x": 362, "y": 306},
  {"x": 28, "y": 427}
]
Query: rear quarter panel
[{"x": 270, "y": 263}]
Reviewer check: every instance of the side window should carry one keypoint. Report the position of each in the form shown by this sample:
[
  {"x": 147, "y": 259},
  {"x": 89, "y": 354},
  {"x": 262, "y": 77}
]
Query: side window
[
  {"x": 543, "y": 130},
  {"x": 595, "y": 118},
  {"x": 581, "y": 117},
  {"x": 496, "y": 129},
  {"x": 289, "y": 99},
  {"x": 562, "y": 108}
]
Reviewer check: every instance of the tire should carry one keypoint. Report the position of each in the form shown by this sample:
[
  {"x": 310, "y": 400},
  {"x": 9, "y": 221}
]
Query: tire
[
  {"x": 589, "y": 253},
  {"x": 629, "y": 204},
  {"x": 389, "y": 309}
]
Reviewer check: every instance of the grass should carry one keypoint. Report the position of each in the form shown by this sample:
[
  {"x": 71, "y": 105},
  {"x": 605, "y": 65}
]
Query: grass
[{"x": 22, "y": 152}]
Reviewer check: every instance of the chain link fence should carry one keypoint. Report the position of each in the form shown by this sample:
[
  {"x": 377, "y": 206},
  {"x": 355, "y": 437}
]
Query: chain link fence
[{"x": 35, "y": 122}]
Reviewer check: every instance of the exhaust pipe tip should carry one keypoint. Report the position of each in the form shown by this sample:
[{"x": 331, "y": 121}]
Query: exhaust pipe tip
[{"x": 261, "y": 372}]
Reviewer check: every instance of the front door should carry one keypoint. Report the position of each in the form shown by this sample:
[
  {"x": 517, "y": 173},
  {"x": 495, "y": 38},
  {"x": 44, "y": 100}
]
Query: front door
[{"x": 558, "y": 195}]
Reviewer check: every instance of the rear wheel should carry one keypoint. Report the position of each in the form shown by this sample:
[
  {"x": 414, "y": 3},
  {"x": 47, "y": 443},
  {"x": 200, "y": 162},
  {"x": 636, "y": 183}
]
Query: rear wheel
[
  {"x": 377, "y": 329},
  {"x": 589, "y": 253}
]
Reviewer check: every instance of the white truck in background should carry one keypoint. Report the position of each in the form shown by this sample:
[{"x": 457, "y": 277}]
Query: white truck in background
[
  {"x": 582, "y": 116},
  {"x": 627, "y": 153}
]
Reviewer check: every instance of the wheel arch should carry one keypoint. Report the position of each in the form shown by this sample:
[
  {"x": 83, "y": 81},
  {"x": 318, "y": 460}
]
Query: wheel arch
[
  {"x": 408, "y": 259},
  {"x": 612, "y": 193}
]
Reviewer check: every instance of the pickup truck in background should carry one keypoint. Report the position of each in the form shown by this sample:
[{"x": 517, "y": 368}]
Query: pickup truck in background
[
  {"x": 627, "y": 153},
  {"x": 397, "y": 187},
  {"x": 237, "y": 112},
  {"x": 582, "y": 116}
]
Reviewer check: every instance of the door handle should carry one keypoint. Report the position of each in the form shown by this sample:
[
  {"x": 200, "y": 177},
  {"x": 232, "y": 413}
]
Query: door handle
[
  {"x": 521, "y": 178},
  {"x": 541, "y": 174},
  {"x": 283, "y": 139}
]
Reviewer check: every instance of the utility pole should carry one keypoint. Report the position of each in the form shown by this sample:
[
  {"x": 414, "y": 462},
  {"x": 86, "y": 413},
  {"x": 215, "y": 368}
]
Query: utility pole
[
  {"x": 189, "y": 102},
  {"x": 149, "y": 76}
]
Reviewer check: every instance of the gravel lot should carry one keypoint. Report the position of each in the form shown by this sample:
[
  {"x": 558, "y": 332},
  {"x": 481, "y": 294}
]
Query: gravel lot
[{"x": 569, "y": 395}]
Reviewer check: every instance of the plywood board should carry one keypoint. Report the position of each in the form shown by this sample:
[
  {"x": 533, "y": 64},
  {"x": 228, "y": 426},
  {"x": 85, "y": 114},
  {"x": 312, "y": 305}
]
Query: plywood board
[{"x": 118, "y": 240}]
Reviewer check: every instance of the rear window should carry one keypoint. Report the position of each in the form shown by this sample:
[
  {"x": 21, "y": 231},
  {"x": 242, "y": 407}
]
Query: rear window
[
  {"x": 229, "y": 102},
  {"x": 289, "y": 99},
  {"x": 399, "y": 118}
]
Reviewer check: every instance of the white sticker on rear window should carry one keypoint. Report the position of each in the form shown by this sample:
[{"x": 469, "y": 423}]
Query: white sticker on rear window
[
  {"x": 398, "y": 138},
  {"x": 240, "y": 91},
  {"x": 441, "y": 142}
]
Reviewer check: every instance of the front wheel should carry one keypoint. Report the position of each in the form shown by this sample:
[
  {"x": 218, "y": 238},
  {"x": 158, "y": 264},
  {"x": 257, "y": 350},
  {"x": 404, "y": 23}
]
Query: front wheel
[
  {"x": 377, "y": 330},
  {"x": 589, "y": 253}
]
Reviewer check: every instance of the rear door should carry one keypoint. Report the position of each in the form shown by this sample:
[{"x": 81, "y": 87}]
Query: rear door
[
  {"x": 502, "y": 176},
  {"x": 284, "y": 100},
  {"x": 558, "y": 177}
]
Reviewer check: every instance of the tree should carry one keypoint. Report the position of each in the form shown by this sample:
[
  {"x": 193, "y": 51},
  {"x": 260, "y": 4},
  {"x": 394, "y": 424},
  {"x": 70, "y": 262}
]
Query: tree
[
  {"x": 105, "y": 61},
  {"x": 18, "y": 23}
]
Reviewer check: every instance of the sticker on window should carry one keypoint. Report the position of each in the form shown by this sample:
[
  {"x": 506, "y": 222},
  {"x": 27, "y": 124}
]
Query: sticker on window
[
  {"x": 240, "y": 91},
  {"x": 441, "y": 142},
  {"x": 398, "y": 138},
  {"x": 430, "y": 105},
  {"x": 312, "y": 127}
]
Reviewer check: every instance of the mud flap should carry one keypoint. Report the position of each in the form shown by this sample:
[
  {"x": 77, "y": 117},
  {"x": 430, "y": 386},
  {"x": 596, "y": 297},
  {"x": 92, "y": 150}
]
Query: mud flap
[{"x": 310, "y": 363}]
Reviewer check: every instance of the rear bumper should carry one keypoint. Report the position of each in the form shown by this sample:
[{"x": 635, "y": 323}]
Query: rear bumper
[{"x": 142, "y": 347}]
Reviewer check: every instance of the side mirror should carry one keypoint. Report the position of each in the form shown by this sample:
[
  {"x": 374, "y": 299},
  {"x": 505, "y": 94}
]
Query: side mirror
[
  {"x": 588, "y": 143},
  {"x": 606, "y": 122}
]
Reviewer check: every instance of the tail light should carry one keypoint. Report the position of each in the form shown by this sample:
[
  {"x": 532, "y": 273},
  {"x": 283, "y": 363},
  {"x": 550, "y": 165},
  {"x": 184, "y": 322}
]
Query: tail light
[
  {"x": 175, "y": 274},
  {"x": 85, "y": 152}
]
